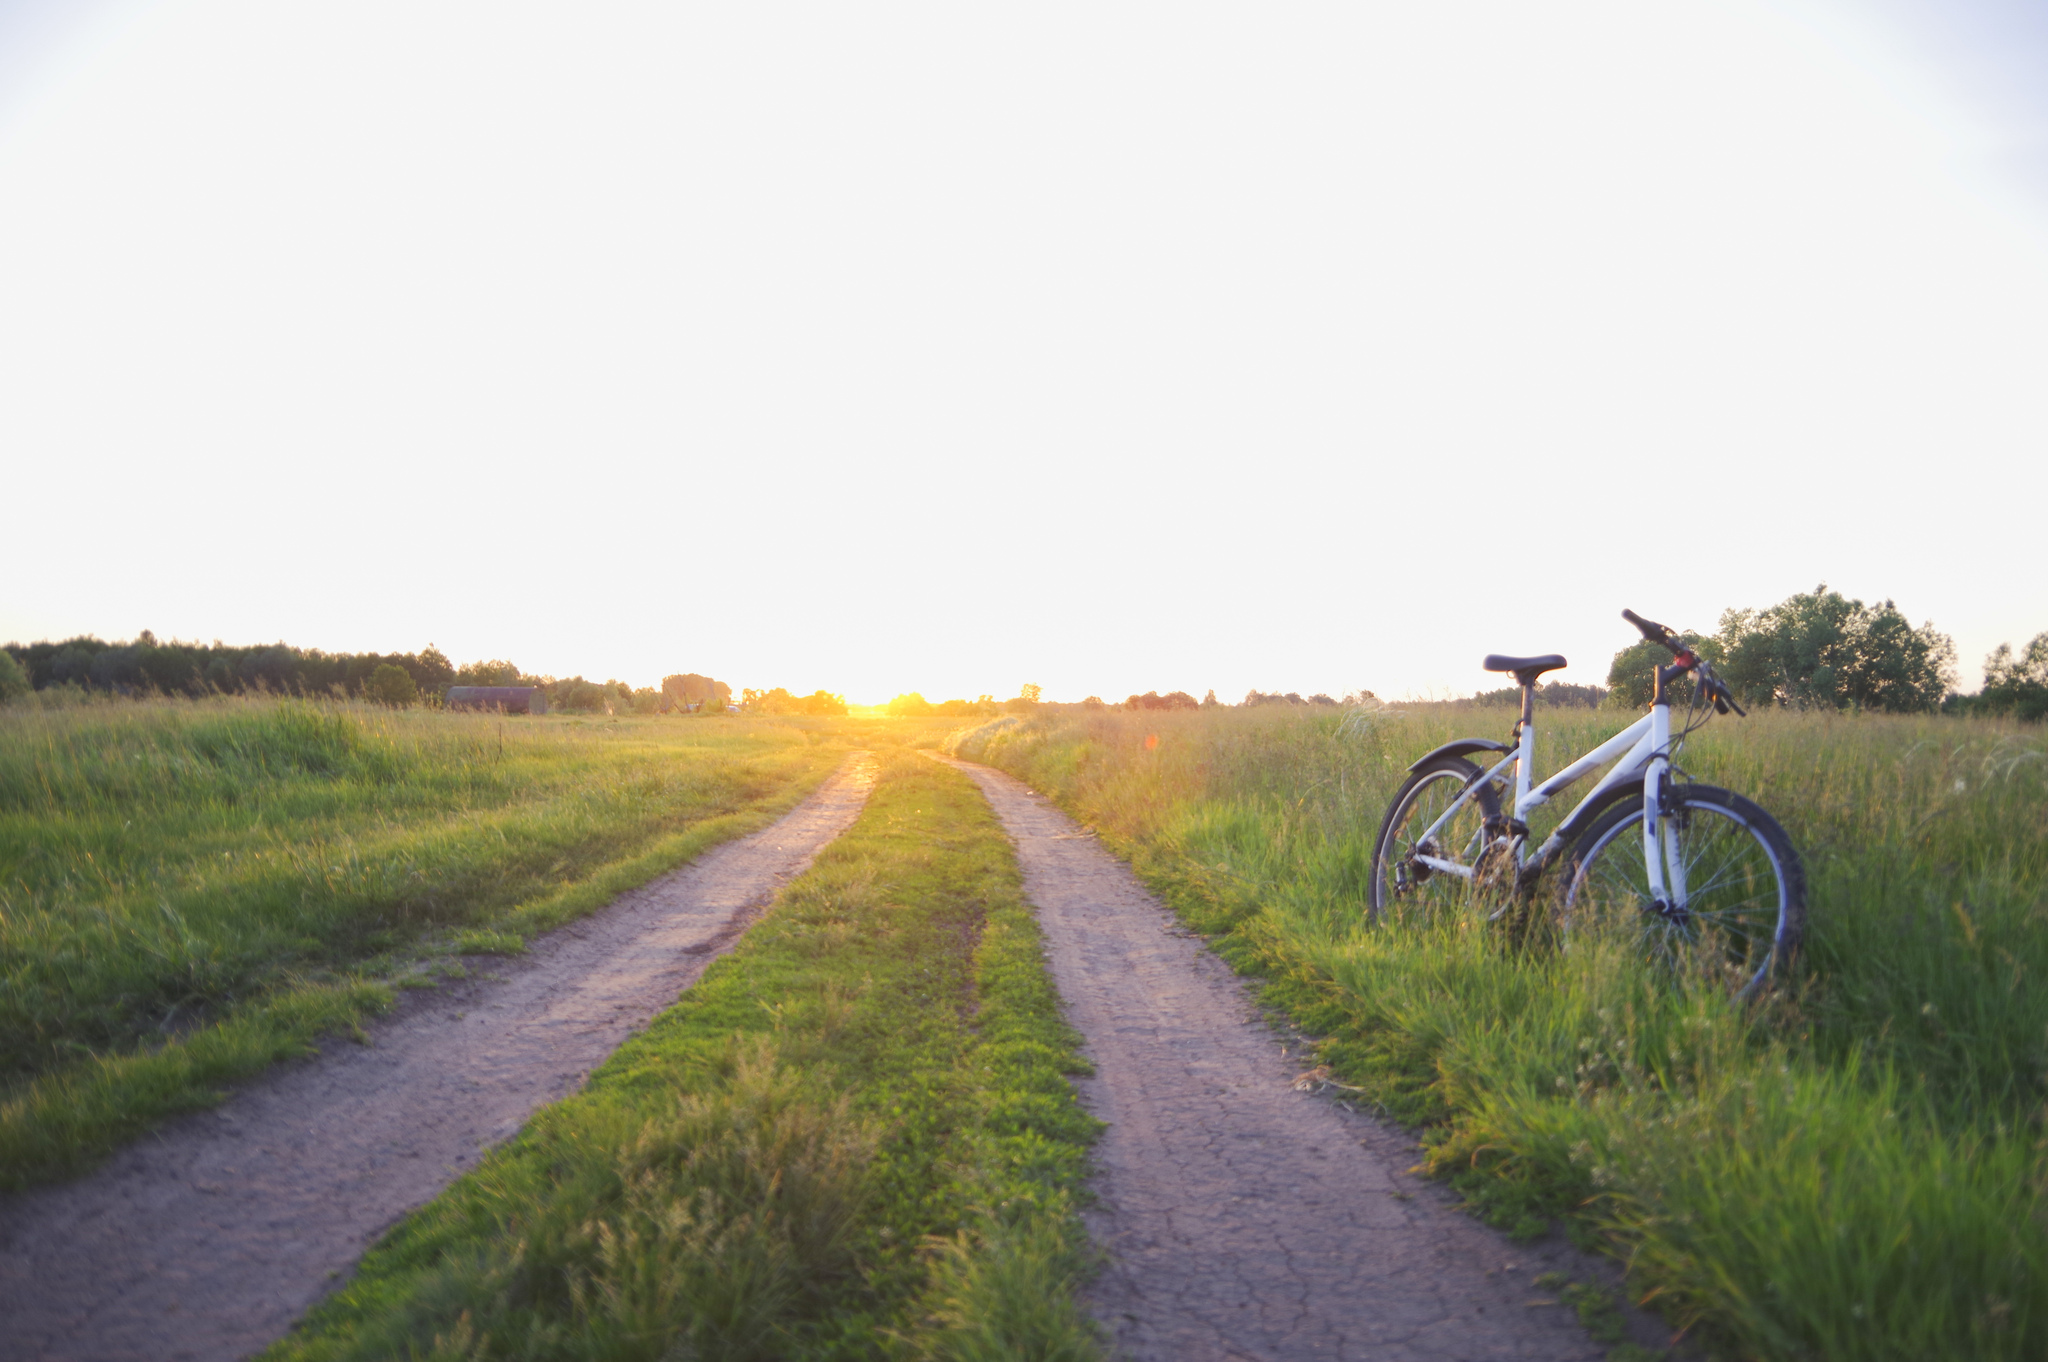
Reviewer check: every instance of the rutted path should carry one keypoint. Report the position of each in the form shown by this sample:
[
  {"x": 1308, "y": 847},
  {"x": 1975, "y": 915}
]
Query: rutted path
[
  {"x": 1244, "y": 1219},
  {"x": 209, "y": 1238}
]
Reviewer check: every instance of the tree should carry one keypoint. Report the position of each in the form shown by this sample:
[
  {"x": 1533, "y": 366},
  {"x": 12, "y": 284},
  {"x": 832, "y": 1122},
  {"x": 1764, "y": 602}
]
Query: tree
[
  {"x": 431, "y": 671},
  {"x": 1632, "y": 676},
  {"x": 1820, "y": 649},
  {"x": 14, "y": 681},
  {"x": 1030, "y": 692},
  {"x": 821, "y": 701},
  {"x": 698, "y": 694},
  {"x": 780, "y": 701},
  {"x": 578, "y": 695},
  {"x": 496, "y": 672},
  {"x": 1152, "y": 699},
  {"x": 392, "y": 685},
  {"x": 911, "y": 705},
  {"x": 2017, "y": 686}
]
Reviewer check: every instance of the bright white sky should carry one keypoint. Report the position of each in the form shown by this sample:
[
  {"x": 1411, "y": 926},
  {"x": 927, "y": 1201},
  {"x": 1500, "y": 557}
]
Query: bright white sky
[{"x": 945, "y": 347}]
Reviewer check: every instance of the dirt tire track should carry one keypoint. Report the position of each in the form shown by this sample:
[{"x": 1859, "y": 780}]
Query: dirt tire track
[
  {"x": 1243, "y": 1218},
  {"x": 208, "y": 1238}
]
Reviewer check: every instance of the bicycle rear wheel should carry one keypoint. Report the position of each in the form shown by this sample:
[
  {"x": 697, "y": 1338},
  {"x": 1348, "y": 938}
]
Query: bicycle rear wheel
[
  {"x": 1407, "y": 886},
  {"x": 1744, "y": 908}
]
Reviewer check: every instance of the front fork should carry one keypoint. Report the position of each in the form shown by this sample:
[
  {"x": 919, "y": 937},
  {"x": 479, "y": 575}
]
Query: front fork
[{"x": 1662, "y": 860}]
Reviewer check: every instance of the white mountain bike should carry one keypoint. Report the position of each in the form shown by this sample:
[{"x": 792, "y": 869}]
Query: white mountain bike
[{"x": 1681, "y": 868}]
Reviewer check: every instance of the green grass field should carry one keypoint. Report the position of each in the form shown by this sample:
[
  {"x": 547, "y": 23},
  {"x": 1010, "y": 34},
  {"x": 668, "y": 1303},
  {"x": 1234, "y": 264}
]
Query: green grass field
[
  {"x": 1855, "y": 1170},
  {"x": 886, "y": 1146},
  {"x": 854, "y": 1137},
  {"x": 189, "y": 891}
]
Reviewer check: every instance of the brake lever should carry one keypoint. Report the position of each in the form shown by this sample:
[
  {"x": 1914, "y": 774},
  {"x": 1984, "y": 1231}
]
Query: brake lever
[
  {"x": 1705, "y": 690},
  {"x": 1724, "y": 698}
]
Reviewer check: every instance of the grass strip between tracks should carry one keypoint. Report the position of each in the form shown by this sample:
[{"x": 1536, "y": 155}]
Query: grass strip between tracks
[{"x": 855, "y": 1136}]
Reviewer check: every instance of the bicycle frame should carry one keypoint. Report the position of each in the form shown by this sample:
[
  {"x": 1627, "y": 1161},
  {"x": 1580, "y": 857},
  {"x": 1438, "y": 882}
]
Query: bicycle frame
[{"x": 1644, "y": 749}]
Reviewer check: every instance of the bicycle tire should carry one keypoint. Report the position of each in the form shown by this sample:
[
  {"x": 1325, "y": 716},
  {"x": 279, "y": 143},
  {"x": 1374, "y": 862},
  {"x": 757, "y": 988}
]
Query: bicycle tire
[
  {"x": 1427, "y": 792},
  {"x": 1746, "y": 886}
]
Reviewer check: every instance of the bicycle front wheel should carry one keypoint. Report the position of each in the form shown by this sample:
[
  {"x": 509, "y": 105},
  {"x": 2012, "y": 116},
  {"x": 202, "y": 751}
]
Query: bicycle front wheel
[{"x": 1742, "y": 913}]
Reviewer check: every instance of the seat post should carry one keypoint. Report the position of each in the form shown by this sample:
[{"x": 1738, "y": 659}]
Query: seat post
[{"x": 1528, "y": 700}]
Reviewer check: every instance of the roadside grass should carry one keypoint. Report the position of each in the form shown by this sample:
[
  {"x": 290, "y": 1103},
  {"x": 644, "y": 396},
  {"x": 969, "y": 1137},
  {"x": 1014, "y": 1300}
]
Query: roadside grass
[
  {"x": 1857, "y": 1169},
  {"x": 853, "y": 1137},
  {"x": 190, "y": 891}
]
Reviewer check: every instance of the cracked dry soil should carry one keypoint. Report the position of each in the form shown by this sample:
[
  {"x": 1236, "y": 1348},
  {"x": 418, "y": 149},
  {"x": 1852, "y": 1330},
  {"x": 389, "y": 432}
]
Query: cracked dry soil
[
  {"x": 1243, "y": 1218},
  {"x": 209, "y": 1237}
]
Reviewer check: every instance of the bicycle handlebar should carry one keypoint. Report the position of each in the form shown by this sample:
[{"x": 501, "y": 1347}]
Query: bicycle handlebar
[
  {"x": 1662, "y": 636},
  {"x": 1652, "y": 631}
]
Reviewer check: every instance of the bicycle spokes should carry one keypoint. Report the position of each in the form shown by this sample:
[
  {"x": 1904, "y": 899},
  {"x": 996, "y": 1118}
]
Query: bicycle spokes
[{"x": 1723, "y": 900}]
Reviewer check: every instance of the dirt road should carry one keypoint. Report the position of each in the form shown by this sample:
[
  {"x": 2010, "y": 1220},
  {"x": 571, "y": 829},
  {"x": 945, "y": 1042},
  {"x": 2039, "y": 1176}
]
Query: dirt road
[
  {"x": 1245, "y": 1219},
  {"x": 209, "y": 1238}
]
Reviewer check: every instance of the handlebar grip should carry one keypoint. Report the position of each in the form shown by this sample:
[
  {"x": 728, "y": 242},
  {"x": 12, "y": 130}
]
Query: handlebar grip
[{"x": 1651, "y": 630}]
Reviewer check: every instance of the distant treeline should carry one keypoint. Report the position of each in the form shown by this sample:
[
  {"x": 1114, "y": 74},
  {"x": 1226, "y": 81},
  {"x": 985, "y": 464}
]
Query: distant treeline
[
  {"x": 1180, "y": 699},
  {"x": 1255, "y": 698},
  {"x": 914, "y": 705},
  {"x": 780, "y": 701},
  {"x": 1554, "y": 695},
  {"x": 149, "y": 666}
]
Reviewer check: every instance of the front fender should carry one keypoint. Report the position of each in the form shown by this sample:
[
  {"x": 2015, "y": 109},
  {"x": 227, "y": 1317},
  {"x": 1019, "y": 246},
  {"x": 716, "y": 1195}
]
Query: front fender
[{"x": 1459, "y": 748}]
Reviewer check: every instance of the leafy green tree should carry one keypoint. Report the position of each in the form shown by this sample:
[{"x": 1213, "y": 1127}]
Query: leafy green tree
[
  {"x": 1632, "y": 676},
  {"x": 392, "y": 685},
  {"x": 1820, "y": 649},
  {"x": 574, "y": 694},
  {"x": 1178, "y": 699},
  {"x": 780, "y": 701},
  {"x": 170, "y": 668},
  {"x": 496, "y": 672},
  {"x": 431, "y": 671},
  {"x": 14, "y": 682},
  {"x": 698, "y": 694},
  {"x": 2017, "y": 685}
]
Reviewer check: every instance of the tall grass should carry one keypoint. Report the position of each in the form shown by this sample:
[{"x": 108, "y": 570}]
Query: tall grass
[
  {"x": 1855, "y": 1170},
  {"x": 190, "y": 890}
]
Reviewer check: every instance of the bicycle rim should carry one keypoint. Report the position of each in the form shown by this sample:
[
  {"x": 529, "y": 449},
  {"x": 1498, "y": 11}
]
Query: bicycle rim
[
  {"x": 1739, "y": 893},
  {"x": 1406, "y": 891}
]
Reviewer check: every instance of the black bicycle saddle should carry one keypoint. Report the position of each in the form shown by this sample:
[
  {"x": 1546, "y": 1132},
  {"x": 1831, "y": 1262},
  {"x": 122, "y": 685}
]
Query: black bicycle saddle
[{"x": 1526, "y": 669}]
